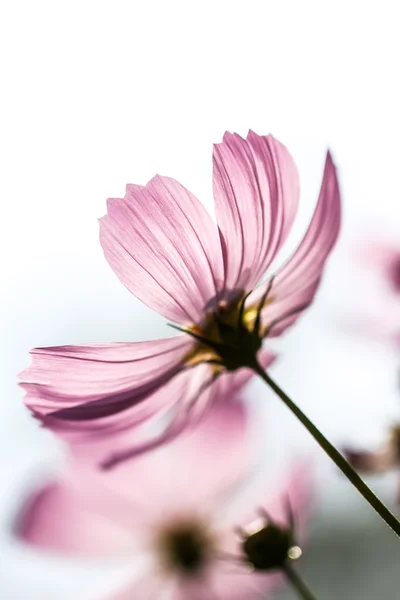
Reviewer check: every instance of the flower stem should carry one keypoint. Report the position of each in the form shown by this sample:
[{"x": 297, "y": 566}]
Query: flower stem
[
  {"x": 298, "y": 583},
  {"x": 333, "y": 454}
]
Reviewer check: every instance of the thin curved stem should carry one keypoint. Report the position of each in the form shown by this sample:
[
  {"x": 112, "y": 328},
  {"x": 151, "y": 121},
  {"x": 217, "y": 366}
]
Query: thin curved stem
[
  {"x": 298, "y": 584},
  {"x": 333, "y": 454}
]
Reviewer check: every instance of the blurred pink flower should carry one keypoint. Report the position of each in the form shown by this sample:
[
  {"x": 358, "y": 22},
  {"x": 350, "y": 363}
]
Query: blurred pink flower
[
  {"x": 174, "y": 513},
  {"x": 378, "y": 264},
  {"x": 385, "y": 259},
  {"x": 166, "y": 249},
  {"x": 376, "y": 268}
]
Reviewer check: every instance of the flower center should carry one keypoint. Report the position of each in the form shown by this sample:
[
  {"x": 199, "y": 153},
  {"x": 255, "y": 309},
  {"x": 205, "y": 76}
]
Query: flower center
[
  {"x": 228, "y": 337},
  {"x": 395, "y": 274},
  {"x": 270, "y": 547},
  {"x": 185, "y": 547}
]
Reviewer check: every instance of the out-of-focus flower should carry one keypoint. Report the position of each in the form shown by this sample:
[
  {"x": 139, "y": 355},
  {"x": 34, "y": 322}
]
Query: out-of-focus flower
[
  {"x": 166, "y": 249},
  {"x": 375, "y": 267},
  {"x": 385, "y": 259},
  {"x": 175, "y": 513},
  {"x": 377, "y": 264},
  {"x": 385, "y": 458}
]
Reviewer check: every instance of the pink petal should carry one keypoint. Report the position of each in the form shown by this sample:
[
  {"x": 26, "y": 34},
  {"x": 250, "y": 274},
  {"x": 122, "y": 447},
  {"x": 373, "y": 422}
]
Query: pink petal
[
  {"x": 232, "y": 581},
  {"x": 198, "y": 394},
  {"x": 187, "y": 395},
  {"x": 381, "y": 258},
  {"x": 164, "y": 247},
  {"x": 297, "y": 281},
  {"x": 62, "y": 517},
  {"x": 145, "y": 491},
  {"x": 151, "y": 586},
  {"x": 213, "y": 444},
  {"x": 221, "y": 582},
  {"x": 93, "y": 382},
  {"x": 110, "y": 441},
  {"x": 291, "y": 490},
  {"x": 295, "y": 487},
  {"x": 256, "y": 195}
]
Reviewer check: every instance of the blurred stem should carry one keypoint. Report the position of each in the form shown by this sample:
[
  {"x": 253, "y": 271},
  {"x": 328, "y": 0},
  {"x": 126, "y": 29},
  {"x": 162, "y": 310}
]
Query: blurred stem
[
  {"x": 298, "y": 583},
  {"x": 333, "y": 454}
]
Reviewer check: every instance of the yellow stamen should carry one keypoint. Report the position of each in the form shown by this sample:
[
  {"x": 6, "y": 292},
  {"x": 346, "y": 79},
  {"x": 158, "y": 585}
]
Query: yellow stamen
[{"x": 228, "y": 314}]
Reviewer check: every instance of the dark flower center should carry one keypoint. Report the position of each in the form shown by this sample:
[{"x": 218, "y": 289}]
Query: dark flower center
[
  {"x": 395, "y": 274},
  {"x": 186, "y": 547},
  {"x": 229, "y": 337},
  {"x": 269, "y": 548}
]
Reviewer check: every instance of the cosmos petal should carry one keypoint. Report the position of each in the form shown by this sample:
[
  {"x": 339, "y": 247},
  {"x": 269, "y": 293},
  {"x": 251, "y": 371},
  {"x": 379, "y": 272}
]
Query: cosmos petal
[
  {"x": 204, "y": 403},
  {"x": 107, "y": 441},
  {"x": 64, "y": 380},
  {"x": 150, "y": 586},
  {"x": 186, "y": 408},
  {"x": 256, "y": 193},
  {"x": 308, "y": 260},
  {"x": 164, "y": 247},
  {"x": 60, "y": 517},
  {"x": 232, "y": 581},
  {"x": 296, "y": 283},
  {"x": 63, "y": 515}
]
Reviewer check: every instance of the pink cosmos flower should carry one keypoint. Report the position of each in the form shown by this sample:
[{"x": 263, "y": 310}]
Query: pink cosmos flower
[
  {"x": 210, "y": 278},
  {"x": 171, "y": 513},
  {"x": 378, "y": 264}
]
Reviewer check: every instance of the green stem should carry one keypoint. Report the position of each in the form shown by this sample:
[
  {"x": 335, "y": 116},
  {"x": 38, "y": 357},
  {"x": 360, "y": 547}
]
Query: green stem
[
  {"x": 298, "y": 583},
  {"x": 333, "y": 454}
]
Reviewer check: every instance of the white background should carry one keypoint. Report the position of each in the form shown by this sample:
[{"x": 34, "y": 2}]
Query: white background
[{"x": 97, "y": 94}]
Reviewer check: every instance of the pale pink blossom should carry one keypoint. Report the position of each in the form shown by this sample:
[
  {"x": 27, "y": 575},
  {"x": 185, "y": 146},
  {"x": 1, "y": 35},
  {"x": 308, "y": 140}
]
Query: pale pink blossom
[
  {"x": 213, "y": 279},
  {"x": 377, "y": 263},
  {"x": 172, "y": 516}
]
